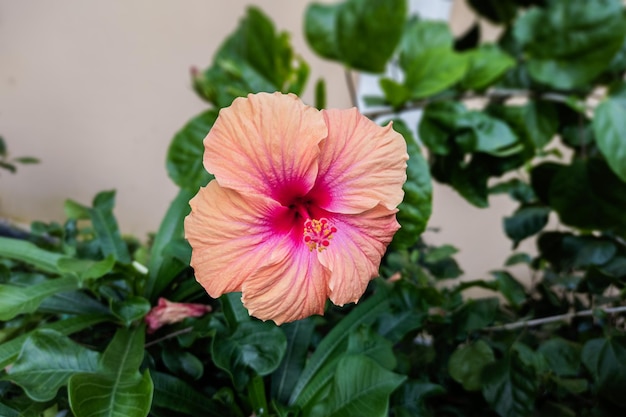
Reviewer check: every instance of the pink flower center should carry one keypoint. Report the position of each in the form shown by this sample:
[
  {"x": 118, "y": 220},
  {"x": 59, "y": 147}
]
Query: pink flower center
[{"x": 318, "y": 233}]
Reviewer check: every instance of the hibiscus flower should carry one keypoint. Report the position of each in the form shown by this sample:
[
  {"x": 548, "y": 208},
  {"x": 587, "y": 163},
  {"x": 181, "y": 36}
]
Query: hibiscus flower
[{"x": 302, "y": 207}]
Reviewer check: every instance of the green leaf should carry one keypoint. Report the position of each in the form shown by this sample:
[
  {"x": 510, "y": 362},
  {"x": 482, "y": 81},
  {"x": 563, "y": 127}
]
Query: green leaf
[
  {"x": 184, "y": 155},
  {"x": 497, "y": 11},
  {"x": 161, "y": 268},
  {"x": 525, "y": 222},
  {"x": 254, "y": 58},
  {"x": 130, "y": 309},
  {"x": 47, "y": 360},
  {"x": 422, "y": 35},
  {"x": 438, "y": 124},
  {"x": 18, "y": 300},
  {"x": 117, "y": 389},
  {"x": 10, "y": 350},
  {"x": 609, "y": 125},
  {"x": 475, "y": 314},
  {"x": 606, "y": 359},
  {"x": 105, "y": 225},
  {"x": 467, "y": 362},
  {"x": 518, "y": 190},
  {"x": 509, "y": 386},
  {"x": 487, "y": 134},
  {"x": 362, "y": 34},
  {"x": 562, "y": 356},
  {"x": 298, "y": 336},
  {"x": 85, "y": 269},
  {"x": 433, "y": 71},
  {"x": 26, "y": 160},
  {"x": 588, "y": 195},
  {"x": 513, "y": 291},
  {"x": 486, "y": 65},
  {"x": 360, "y": 387},
  {"x": 175, "y": 394},
  {"x": 254, "y": 346},
  {"x": 183, "y": 363},
  {"x": 76, "y": 211},
  {"x": 415, "y": 209},
  {"x": 364, "y": 313},
  {"x": 569, "y": 43},
  {"x": 27, "y": 252}
]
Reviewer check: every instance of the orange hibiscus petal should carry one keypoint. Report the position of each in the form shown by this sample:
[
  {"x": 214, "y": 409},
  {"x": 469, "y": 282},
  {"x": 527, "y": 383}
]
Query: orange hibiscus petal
[
  {"x": 229, "y": 236},
  {"x": 293, "y": 286},
  {"x": 361, "y": 164},
  {"x": 354, "y": 253},
  {"x": 266, "y": 144}
]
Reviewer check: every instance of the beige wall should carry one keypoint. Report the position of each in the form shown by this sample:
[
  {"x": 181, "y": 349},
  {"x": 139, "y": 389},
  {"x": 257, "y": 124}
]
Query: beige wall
[{"x": 96, "y": 90}]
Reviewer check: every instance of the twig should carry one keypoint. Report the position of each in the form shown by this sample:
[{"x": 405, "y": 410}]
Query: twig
[
  {"x": 552, "y": 319},
  {"x": 495, "y": 93},
  {"x": 168, "y": 336}
]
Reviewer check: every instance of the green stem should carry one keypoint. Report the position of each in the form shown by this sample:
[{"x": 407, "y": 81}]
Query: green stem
[{"x": 256, "y": 395}]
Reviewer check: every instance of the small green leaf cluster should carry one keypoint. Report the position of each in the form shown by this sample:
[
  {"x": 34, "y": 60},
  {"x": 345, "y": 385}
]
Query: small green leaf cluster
[{"x": 538, "y": 115}]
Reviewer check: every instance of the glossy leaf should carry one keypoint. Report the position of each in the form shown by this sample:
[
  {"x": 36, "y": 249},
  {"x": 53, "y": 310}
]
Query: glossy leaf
[
  {"x": 362, "y": 34},
  {"x": 184, "y": 155},
  {"x": 9, "y": 350},
  {"x": 606, "y": 360},
  {"x": 563, "y": 356},
  {"x": 509, "y": 386},
  {"x": 467, "y": 362},
  {"x": 29, "y": 253},
  {"x": 22, "y": 300},
  {"x": 130, "y": 309},
  {"x": 511, "y": 288},
  {"x": 298, "y": 336},
  {"x": 360, "y": 387},
  {"x": 525, "y": 222},
  {"x": 85, "y": 269},
  {"x": 421, "y": 35},
  {"x": 364, "y": 313},
  {"x": 433, "y": 71},
  {"x": 161, "y": 268},
  {"x": 254, "y": 346},
  {"x": 486, "y": 65},
  {"x": 106, "y": 228},
  {"x": 174, "y": 394},
  {"x": 569, "y": 43},
  {"x": 117, "y": 389},
  {"x": 46, "y": 362},
  {"x": 415, "y": 209},
  {"x": 609, "y": 125}
]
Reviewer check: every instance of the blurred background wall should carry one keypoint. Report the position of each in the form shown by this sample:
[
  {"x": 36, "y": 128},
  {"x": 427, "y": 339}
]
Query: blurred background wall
[{"x": 97, "y": 89}]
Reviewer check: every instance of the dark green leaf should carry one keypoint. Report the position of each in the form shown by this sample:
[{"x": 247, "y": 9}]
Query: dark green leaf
[
  {"x": 606, "y": 359},
  {"x": 184, "y": 155},
  {"x": 467, "y": 362},
  {"x": 609, "y": 125},
  {"x": 518, "y": 190},
  {"x": 18, "y": 300},
  {"x": 360, "y": 387},
  {"x": 117, "y": 389},
  {"x": 298, "y": 335},
  {"x": 161, "y": 268},
  {"x": 509, "y": 386},
  {"x": 364, "y": 313},
  {"x": 26, "y": 160},
  {"x": 525, "y": 222},
  {"x": 416, "y": 207},
  {"x": 27, "y": 252},
  {"x": 563, "y": 356},
  {"x": 183, "y": 363},
  {"x": 9, "y": 350},
  {"x": 130, "y": 309},
  {"x": 47, "y": 360},
  {"x": 105, "y": 225},
  {"x": 175, "y": 394},
  {"x": 569, "y": 43},
  {"x": 497, "y": 11},
  {"x": 476, "y": 314},
  {"x": 254, "y": 346},
  {"x": 513, "y": 291},
  {"x": 488, "y": 134}
]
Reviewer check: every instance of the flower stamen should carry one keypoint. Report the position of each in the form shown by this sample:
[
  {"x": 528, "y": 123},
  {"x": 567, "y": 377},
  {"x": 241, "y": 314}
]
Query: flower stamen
[{"x": 318, "y": 233}]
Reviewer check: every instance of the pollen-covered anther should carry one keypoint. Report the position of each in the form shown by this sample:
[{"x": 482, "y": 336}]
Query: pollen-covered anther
[{"x": 318, "y": 233}]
